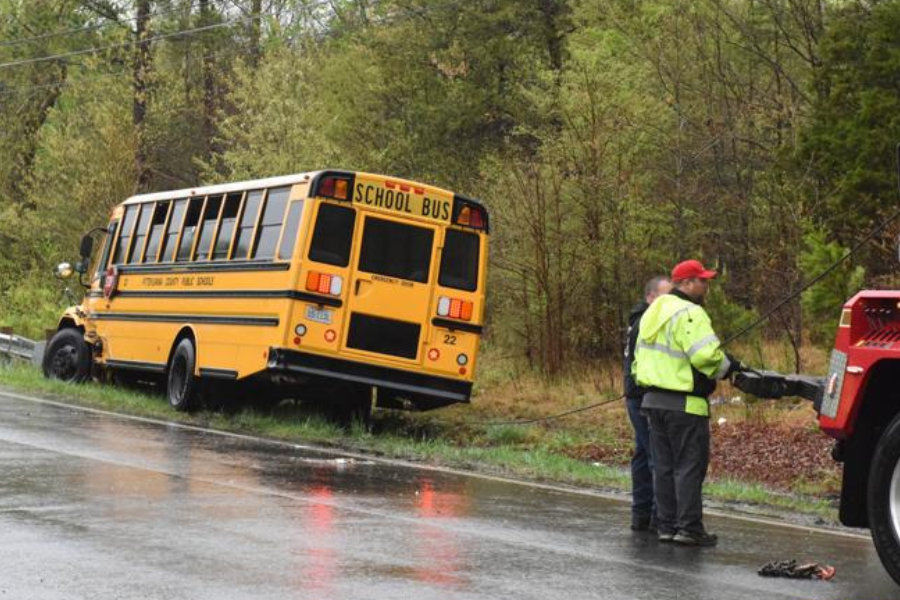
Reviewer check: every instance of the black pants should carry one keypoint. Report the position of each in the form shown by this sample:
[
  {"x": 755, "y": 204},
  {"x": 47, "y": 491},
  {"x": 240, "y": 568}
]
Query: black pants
[
  {"x": 642, "y": 503},
  {"x": 681, "y": 453}
]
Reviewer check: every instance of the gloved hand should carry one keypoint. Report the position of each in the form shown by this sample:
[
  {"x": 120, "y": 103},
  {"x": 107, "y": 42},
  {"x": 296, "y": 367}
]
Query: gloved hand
[{"x": 736, "y": 365}]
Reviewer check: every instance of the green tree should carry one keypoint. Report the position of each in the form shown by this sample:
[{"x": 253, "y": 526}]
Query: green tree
[
  {"x": 822, "y": 302},
  {"x": 852, "y": 137},
  {"x": 85, "y": 165}
]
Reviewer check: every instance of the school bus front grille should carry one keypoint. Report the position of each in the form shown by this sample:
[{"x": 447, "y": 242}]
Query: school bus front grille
[{"x": 384, "y": 336}]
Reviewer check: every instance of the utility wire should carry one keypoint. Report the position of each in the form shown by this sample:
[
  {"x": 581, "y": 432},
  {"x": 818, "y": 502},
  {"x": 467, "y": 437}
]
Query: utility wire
[
  {"x": 47, "y": 36},
  {"x": 68, "y": 32},
  {"x": 182, "y": 33},
  {"x": 408, "y": 13},
  {"x": 83, "y": 79},
  {"x": 65, "y": 82},
  {"x": 93, "y": 50}
]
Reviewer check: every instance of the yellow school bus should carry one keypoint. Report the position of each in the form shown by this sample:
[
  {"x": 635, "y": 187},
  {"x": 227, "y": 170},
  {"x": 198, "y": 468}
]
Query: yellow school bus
[{"x": 326, "y": 285}]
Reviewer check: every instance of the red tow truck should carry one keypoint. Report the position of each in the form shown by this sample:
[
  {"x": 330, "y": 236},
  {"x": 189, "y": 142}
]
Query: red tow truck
[{"x": 859, "y": 405}]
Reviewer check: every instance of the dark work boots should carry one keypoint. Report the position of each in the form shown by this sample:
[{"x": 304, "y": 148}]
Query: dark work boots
[
  {"x": 691, "y": 538},
  {"x": 642, "y": 522}
]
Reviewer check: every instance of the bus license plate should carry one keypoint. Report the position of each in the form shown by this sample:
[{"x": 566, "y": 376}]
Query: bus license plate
[{"x": 318, "y": 316}]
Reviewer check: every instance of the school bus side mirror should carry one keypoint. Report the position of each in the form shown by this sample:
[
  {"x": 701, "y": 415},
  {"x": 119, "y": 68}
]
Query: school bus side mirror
[{"x": 87, "y": 246}]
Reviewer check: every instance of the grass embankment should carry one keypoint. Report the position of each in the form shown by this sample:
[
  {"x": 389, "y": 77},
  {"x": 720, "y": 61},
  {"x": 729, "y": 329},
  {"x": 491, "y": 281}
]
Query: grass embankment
[{"x": 590, "y": 449}]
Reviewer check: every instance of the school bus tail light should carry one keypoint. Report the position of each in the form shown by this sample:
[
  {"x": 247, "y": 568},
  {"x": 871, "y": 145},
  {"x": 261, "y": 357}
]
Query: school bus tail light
[
  {"x": 454, "y": 308},
  {"x": 334, "y": 187},
  {"x": 324, "y": 283},
  {"x": 469, "y": 214}
]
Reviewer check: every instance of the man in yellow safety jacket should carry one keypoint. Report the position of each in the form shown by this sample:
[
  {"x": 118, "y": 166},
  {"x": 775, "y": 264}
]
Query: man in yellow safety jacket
[{"x": 678, "y": 358}]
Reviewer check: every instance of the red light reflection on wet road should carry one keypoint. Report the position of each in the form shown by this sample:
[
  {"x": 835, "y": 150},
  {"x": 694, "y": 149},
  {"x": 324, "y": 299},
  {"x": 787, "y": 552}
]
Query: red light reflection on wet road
[
  {"x": 437, "y": 551},
  {"x": 319, "y": 568}
]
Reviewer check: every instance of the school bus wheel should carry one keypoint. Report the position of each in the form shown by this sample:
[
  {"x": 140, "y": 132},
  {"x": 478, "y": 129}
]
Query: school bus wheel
[
  {"x": 183, "y": 387},
  {"x": 68, "y": 357}
]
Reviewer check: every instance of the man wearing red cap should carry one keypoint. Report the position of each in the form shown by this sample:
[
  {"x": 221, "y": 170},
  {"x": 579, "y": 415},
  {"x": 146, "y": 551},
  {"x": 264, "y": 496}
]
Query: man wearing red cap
[{"x": 678, "y": 358}]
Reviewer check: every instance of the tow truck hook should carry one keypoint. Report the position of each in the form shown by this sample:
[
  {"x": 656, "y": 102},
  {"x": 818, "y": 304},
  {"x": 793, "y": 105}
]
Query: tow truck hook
[{"x": 774, "y": 385}]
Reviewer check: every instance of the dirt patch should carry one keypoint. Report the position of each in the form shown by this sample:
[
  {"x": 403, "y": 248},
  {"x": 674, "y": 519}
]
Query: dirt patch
[
  {"x": 608, "y": 454},
  {"x": 777, "y": 455}
]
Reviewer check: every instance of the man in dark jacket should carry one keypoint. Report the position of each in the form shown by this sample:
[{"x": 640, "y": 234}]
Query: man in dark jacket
[
  {"x": 679, "y": 358},
  {"x": 643, "y": 506}
]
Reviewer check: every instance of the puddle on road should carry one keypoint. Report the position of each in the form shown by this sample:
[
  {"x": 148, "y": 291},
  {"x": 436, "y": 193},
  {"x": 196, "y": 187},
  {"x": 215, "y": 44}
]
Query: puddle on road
[{"x": 338, "y": 462}]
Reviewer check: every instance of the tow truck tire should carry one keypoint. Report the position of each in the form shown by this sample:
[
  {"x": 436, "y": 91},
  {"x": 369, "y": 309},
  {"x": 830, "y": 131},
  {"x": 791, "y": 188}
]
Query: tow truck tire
[
  {"x": 884, "y": 499},
  {"x": 182, "y": 385},
  {"x": 68, "y": 357}
]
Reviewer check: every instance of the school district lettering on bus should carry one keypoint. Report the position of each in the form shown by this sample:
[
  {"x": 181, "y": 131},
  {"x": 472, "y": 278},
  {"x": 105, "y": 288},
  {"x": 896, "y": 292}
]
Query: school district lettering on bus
[{"x": 288, "y": 285}]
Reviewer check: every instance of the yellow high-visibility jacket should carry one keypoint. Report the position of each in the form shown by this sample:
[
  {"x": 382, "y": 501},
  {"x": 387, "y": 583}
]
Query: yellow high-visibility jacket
[{"x": 678, "y": 351}]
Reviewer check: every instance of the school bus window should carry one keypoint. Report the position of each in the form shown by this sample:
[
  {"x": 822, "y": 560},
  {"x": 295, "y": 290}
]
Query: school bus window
[
  {"x": 156, "y": 230},
  {"x": 248, "y": 223},
  {"x": 333, "y": 235},
  {"x": 191, "y": 219},
  {"x": 396, "y": 250},
  {"x": 140, "y": 235},
  {"x": 208, "y": 226},
  {"x": 291, "y": 226},
  {"x": 270, "y": 226},
  {"x": 107, "y": 247},
  {"x": 226, "y": 229},
  {"x": 125, "y": 236},
  {"x": 166, "y": 252},
  {"x": 459, "y": 261}
]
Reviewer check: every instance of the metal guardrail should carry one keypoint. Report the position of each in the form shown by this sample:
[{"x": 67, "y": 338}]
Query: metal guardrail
[{"x": 16, "y": 346}]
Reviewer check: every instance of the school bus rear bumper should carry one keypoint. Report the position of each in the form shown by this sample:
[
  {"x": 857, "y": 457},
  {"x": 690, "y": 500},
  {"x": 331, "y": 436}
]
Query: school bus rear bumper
[{"x": 448, "y": 390}]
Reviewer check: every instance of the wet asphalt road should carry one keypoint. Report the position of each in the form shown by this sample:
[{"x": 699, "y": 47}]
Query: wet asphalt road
[{"x": 98, "y": 506}]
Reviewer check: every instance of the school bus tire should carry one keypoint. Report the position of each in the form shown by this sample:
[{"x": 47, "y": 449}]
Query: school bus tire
[
  {"x": 884, "y": 498},
  {"x": 182, "y": 385},
  {"x": 68, "y": 357}
]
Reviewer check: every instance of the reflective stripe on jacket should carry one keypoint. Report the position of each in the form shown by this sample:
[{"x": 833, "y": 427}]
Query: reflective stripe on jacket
[{"x": 675, "y": 345}]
